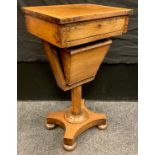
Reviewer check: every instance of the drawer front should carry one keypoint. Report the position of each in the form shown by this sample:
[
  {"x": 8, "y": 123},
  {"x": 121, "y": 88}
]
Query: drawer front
[
  {"x": 83, "y": 32},
  {"x": 69, "y": 35}
]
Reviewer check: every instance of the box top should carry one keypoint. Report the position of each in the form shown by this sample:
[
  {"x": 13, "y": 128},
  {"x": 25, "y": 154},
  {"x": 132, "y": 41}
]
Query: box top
[
  {"x": 88, "y": 46},
  {"x": 70, "y": 13}
]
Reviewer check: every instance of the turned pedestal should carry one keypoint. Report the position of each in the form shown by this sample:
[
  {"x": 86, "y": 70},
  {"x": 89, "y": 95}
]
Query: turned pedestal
[
  {"x": 73, "y": 67},
  {"x": 75, "y": 41},
  {"x": 75, "y": 119}
]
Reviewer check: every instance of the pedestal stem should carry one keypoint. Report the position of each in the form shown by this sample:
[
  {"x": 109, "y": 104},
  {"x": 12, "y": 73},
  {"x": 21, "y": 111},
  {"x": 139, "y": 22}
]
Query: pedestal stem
[{"x": 76, "y": 96}]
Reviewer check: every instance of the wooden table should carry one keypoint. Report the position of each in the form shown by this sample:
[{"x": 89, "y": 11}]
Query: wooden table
[{"x": 74, "y": 39}]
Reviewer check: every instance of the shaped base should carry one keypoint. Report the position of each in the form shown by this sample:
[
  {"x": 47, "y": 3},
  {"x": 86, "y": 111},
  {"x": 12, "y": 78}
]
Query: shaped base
[{"x": 72, "y": 130}]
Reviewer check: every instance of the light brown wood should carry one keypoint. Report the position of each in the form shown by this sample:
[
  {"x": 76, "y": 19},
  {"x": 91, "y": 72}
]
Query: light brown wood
[
  {"x": 73, "y": 130},
  {"x": 85, "y": 29},
  {"x": 57, "y": 70},
  {"x": 126, "y": 24},
  {"x": 83, "y": 62},
  {"x": 48, "y": 31},
  {"x": 75, "y": 114},
  {"x": 76, "y": 95},
  {"x": 76, "y": 33},
  {"x": 64, "y": 14},
  {"x": 70, "y": 25},
  {"x": 93, "y": 38},
  {"x": 51, "y": 53},
  {"x": 104, "y": 21},
  {"x": 76, "y": 62}
]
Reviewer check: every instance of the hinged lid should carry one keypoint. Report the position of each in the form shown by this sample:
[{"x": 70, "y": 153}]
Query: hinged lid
[{"x": 63, "y": 14}]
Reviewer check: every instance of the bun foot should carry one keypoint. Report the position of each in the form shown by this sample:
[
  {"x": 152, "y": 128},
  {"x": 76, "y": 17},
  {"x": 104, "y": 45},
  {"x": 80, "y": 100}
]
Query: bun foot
[
  {"x": 102, "y": 126},
  {"x": 70, "y": 147},
  {"x": 50, "y": 126}
]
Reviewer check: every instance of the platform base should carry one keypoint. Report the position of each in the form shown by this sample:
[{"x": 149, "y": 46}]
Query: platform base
[{"x": 72, "y": 130}]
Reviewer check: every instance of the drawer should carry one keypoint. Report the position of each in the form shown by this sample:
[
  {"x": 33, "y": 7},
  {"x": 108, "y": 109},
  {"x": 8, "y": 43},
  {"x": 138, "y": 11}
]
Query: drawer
[
  {"x": 72, "y": 34},
  {"x": 86, "y": 31}
]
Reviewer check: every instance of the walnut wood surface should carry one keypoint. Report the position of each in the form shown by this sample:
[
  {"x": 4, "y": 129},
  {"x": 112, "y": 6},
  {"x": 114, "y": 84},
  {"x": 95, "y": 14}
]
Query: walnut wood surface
[
  {"x": 78, "y": 23},
  {"x": 63, "y": 14},
  {"x": 76, "y": 95},
  {"x": 47, "y": 31},
  {"x": 55, "y": 64},
  {"x": 85, "y": 29},
  {"x": 56, "y": 67},
  {"x": 70, "y": 25},
  {"x": 84, "y": 61},
  {"x": 73, "y": 130},
  {"x": 76, "y": 33}
]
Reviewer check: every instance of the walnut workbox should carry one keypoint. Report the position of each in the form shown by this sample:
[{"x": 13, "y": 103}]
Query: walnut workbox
[{"x": 76, "y": 40}]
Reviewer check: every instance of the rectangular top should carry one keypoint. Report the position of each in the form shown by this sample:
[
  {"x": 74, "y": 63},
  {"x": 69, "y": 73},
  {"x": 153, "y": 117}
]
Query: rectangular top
[{"x": 70, "y": 13}]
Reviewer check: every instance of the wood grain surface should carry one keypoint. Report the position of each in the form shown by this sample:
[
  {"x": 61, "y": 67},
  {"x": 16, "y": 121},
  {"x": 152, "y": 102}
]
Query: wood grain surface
[
  {"x": 57, "y": 69},
  {"x": 70, "y": 13},
  {"x": 72, "y": 131},
  {"x": 75, "y": 24},
  {"x": 83, "y": 62}
]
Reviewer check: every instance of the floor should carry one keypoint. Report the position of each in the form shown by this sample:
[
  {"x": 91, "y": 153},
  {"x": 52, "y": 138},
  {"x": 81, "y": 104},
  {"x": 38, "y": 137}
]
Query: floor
[{"x": 120, "y": 138}]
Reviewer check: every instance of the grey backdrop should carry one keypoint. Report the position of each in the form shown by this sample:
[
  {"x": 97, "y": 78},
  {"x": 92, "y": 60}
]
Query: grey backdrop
[{"x": 123, "y": 49}]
